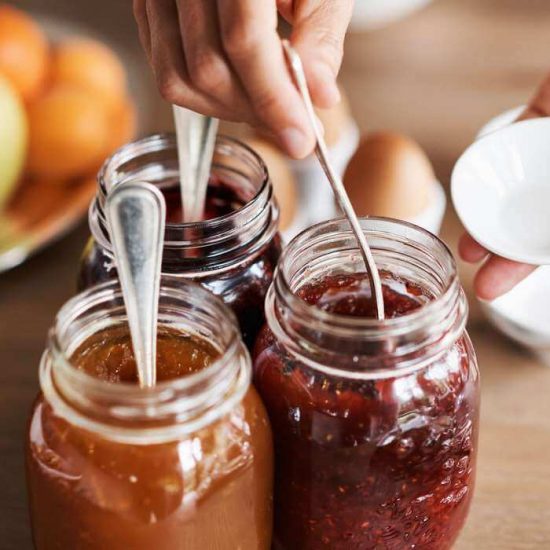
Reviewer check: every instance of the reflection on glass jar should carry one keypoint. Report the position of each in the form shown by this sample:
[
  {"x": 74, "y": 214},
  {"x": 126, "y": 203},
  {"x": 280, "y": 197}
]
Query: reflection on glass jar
[
  {"x": 233, "y": 252},
  {"x": 375, "y": 423},
  {"x": 186, "y": 464}
]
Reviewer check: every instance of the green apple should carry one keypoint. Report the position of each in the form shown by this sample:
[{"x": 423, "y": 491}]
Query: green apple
[{"x": 13, "y": 138}]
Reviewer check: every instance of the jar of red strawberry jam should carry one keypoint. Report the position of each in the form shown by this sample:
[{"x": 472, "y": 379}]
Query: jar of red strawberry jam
[
  {"x": 375, "y": 422},
  {"x": 232, "y": 252},
  {"x": 186, "y": 464}
]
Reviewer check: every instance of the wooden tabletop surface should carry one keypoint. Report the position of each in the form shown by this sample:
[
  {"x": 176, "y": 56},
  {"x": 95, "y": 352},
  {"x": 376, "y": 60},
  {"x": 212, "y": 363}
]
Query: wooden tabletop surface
[{"x": 438, "y": 76}]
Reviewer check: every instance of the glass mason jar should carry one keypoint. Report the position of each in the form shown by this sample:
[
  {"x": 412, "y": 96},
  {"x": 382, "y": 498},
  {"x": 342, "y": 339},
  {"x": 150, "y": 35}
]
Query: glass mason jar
[
  {"x": 186, "y": 464},
  {"x": 233, "y": 254},
  {"x": 375, "y": 422}
]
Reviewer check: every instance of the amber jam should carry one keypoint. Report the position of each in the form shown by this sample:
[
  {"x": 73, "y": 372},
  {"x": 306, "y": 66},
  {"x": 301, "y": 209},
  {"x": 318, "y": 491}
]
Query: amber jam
[
  {"x": 232, "y": 252},
  {"x": 375, "y": 423},
  {"x": 187, "y": 464},
  {"x": 108, "y": 355}
]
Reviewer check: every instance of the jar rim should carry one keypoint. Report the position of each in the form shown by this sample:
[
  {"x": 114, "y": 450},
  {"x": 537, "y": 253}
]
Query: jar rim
[
  {"x": 156, "y": 142},
  {"x": 359, "y": 347},
  {"x": 201, "y": 248},
  {"x": 57, "y": 369},
  {"x": 393, "y": 324}
]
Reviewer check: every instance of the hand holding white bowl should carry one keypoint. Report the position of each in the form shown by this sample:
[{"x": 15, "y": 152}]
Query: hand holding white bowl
[{"x": 497, "y": 275}]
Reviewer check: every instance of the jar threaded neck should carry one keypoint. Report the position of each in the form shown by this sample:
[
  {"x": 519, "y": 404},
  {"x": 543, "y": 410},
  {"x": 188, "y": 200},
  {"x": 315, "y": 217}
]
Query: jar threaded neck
[
  {"x": 357, "y": 346},
  {"x": 125, "y": 412}
]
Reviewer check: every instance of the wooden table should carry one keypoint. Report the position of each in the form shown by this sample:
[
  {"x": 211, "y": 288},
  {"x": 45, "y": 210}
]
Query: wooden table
[{"x": 436, "y": 76}]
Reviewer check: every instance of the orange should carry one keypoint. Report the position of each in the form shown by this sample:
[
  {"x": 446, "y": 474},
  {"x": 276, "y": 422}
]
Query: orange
[
  {"x": 23, "y": 52},
  {"x": 69, "y": 133},
  {"x": 92, "y": 66}
]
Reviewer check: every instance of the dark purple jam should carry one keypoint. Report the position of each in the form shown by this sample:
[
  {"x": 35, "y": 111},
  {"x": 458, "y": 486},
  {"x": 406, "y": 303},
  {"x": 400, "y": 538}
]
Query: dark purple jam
[
  {"x": 242, "y": 287},
  {"x": 220, "y": 200}
]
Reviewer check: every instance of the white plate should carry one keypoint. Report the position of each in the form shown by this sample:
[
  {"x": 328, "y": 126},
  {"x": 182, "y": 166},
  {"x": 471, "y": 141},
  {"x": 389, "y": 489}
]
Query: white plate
[{"x": 501, "y": 191}]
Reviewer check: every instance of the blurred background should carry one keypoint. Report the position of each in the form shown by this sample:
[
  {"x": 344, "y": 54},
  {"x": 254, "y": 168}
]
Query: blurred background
[{"x": 428, "y": 75}]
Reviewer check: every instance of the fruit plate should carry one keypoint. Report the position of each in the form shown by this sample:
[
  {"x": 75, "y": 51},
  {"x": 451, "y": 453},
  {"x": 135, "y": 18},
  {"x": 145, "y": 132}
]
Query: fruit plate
[{"x": 41, "y": 211}]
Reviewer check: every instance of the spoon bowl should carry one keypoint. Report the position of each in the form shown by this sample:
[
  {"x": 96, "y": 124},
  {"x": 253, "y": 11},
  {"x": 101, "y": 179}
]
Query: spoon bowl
[
  {"x": 136, "y": 212},
  {"x": 501, "y": 191}
]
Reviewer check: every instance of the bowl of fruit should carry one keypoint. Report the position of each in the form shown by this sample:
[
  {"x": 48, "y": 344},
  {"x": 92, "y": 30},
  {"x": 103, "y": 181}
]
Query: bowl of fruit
[{"x": 64, "y": 107}]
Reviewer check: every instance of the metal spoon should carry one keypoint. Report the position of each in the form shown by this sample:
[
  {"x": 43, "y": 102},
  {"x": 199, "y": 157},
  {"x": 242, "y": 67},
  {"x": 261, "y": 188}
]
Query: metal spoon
[
  {"x": 338, "y": 188},
  {"x": 196, "y": 135},
  {"x": 136, "y": 214}
]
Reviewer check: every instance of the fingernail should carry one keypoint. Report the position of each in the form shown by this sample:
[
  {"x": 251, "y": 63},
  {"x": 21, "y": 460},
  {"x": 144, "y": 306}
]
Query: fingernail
[{"x": 295, "y": 142}]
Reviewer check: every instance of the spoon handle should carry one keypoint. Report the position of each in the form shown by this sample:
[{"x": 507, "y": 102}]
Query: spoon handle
[
  {"x": 297, "y": 69},
  {"x": 136, "y": 214},
  {"x": 196, "y": 135}
]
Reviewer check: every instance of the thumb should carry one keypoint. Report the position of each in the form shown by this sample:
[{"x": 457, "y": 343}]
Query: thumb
[
  {"x": 319, "y": 29},
  {"x": 539, "y": 106}
]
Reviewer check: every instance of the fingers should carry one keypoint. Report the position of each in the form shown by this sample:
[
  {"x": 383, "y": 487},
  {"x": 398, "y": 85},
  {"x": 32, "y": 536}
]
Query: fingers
[
  {"x": 498, "y": 276},
  {"x": 168, "y": 60},
  {"x": 169, "y": 66},
  {"x": 539, "y": 106},
  {"x": 471, "y": 251},
  {"x": 319, "y": 31},
  {"x": 253, "y": 47},
  {"x": 207, "y": 67}
]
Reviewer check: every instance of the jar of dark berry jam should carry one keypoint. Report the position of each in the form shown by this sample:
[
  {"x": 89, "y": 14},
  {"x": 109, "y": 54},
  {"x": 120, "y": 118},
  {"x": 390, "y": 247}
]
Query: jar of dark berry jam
[
  {"x": 375, "y": 422},
  {"x": 186, "y": 464},
  {"x": 233, "y": 252}
]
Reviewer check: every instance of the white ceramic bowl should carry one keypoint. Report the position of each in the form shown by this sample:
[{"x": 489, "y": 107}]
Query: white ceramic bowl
[
  {"x": 501, "y": 191},
  {"x": 501, "y": 121},
  {"x": 523, "y": 314},
  {"x": 370, "y": 14}
]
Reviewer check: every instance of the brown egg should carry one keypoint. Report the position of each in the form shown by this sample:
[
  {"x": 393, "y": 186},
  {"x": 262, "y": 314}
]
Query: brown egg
[
  {"x": 389, "y": 175},
  {"x": 335, "y": 120},
  {"x": 281, "y": 176}
]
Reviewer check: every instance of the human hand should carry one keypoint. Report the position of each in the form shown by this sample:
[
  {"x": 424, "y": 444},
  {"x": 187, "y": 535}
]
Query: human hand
[
  {"x": 498, "y": 275},
  {"x": 224, "y": 58}
]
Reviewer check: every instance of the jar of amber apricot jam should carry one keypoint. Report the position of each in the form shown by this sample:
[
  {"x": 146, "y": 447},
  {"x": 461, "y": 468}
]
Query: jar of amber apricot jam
[
  {"x": 186, "y": 464},
  {"x": 375, "y": 422},
  {"x": 233, "y": 252}
]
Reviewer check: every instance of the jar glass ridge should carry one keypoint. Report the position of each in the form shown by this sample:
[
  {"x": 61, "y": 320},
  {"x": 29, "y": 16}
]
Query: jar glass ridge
[
  {"x": 205, "y": 246},
  {"x": 233, "y": 255},
  {"x": 406, "y": 342},
  {"x": 375, "y": 423},
  {"x": 185, "y": 463},
  {"x": 125, "y": 412}
]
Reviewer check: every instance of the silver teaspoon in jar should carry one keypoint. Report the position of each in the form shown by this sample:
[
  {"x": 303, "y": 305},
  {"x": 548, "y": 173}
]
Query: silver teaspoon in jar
[
  {"x": 196, "y": 137},
  {"x": 136, "y": 214},
  {"x": 297, "y": 69}
]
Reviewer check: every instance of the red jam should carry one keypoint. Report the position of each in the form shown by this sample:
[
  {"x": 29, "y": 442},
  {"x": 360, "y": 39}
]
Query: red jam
[{"x": 381, "y": 463}]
